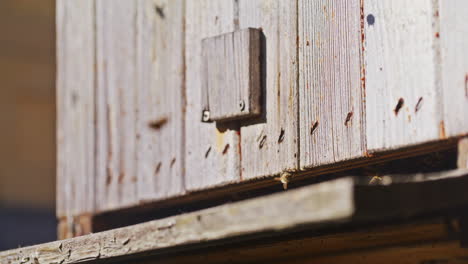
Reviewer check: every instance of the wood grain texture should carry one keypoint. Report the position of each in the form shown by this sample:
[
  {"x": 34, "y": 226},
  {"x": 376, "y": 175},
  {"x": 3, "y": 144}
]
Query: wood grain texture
[
  {"x": 256, "y": 215},
  {"x": 454, "y": 65},
  {"x": 403, "y": 97},
  {"x": 346, "y": 201},
  {"x": 270, "y": 144},
  {"x": 231, "y": 72},
  {"x": 160, "y": 90},
  {"x": 212, "y": 153},
  {"x": 75, "y": 107},
  {"x": 330, "y": 88},
  {"x": 116, "y": 33}
]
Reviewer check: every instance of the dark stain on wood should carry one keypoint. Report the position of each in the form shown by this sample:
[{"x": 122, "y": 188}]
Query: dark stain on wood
[
  {"x": 348, "y": 118},
  {"x": 418, "y": 105},
  {"x": 158, "y": 168},
  {"x": 160, "y": 11},
  {"x": 207, "y": 152},
  {"x": 226, "y": 148},
  {"x": 281, "y": 136},
  {"x": 121, "y": 177},
  {"x": 314, "y": 127},
  {"x": 173, "y": 162},
  {"x": 159, "y": 123},
  {"x": 262, "y": 142},
  {"x": 399, "y": 105}
]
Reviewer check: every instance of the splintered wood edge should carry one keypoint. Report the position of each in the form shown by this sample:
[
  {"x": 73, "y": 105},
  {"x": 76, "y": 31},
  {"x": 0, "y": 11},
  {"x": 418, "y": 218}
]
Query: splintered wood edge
[
  {"x": 341, "y": 200},
  {"x": 331, "y": 201}
]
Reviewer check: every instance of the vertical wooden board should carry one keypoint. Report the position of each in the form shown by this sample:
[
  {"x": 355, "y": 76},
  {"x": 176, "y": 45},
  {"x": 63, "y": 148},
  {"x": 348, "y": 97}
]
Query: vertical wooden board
[
  {"x": 270, "y": 144},
  {"x": 212, "y": 153},
  {"x": 330, "y": 88},
  {"x": 75, "y": 107},
  {"x": 116, "y": 98},
  {"x": 160, "y": 93},
  {"x": 454, "y": 56},
  {"x": 403, "y": 98}
]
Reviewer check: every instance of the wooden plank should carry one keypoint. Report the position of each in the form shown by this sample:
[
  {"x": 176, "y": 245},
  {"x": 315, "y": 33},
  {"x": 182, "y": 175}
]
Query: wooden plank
[
  {"x": 75, "y": 107},
  {"x": 212, "y": 152},
  {"x": 454, "y": 65},
  {"x": 403, "y": 96},
  {"x": 160, "y": 98},
  {"x": 231, "y": 75},
  {"x": 257, "y": 215},
  {"x": 330, "y": 88},
  {"x": 346, "y": 201},
  {"x": 116, "y": 33},
  {"x": 270, "y": 144}
]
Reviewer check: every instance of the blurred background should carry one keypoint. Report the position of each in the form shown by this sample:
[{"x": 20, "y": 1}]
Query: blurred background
[{"x": 27, "y": 122}]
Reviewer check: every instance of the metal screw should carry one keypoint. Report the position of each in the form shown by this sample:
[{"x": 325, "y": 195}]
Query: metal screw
[
  {"x": 206, "y": 116},
  {"x": 241, "y": 105}
]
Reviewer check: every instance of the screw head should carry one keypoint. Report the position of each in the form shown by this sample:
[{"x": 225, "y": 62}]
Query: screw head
[
  {"x": 242, "y": 105},
  {"x": 206, "y": 116}
]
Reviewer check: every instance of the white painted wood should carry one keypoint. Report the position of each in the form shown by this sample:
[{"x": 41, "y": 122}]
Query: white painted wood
[
  {"x": 160, "y": 93},
  {"x": 270, "y": 144},
  {"x": 330, "y": 88},
  {"x": 231, "y": 75},
  {"x": 403, "y": 97},
  {"x": 212, "y": 154},
  {"x": 75, "y": 107},
  {"x": 116, "y": 118},
  {"x": 454, "y": 57}
]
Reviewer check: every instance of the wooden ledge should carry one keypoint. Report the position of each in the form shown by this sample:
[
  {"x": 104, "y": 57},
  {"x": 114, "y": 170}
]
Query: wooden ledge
[{"x": 346, "y": 201}]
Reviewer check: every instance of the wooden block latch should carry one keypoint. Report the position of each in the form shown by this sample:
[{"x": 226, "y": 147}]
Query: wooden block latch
[{"x": 231, "y": 86}]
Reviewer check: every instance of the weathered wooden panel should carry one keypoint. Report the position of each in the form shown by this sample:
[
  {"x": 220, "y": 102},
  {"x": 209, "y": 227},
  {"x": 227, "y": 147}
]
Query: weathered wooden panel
[
  {"x": 270, "y": 144},
  {"x": 212, "y": 152},
  {"x": 403, "y": 98},
  {"x": 160, "y": 95},
  {"x": 231, "y": 75},
  {"x": 454, "y": 65},
  {"x": 75, "y": 104},
  {"x": 116, "y": 33},
  {"x": 330, "y": 88}
]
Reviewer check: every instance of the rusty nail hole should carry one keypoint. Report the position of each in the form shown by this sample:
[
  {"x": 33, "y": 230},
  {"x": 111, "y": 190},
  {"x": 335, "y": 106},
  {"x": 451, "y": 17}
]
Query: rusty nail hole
[
  {"x": 226, "y": 148},
  {"x": 308, "y": 43},
  {"x": 160, "y": 11},
  {"x": 370, "y": 19},
  {"x": 173, "y": 162},
  {"x": 207, "y": 152},
  {"x": 158, "y": 168},
  {"x": 437, "y": 35},
  {"x": 109, "y": 176},
  {"x": 348, "y": 118},
  {"x": 314, "y": 127},
  {"x": 399, "y": 105},
  {"x": 199, "y": 217},
  {"x": 158, "y": 124},
  {"x": 418, "y": 105},
  {"x": 262, "y": 142},
  {"x": 281, "y": 136}
]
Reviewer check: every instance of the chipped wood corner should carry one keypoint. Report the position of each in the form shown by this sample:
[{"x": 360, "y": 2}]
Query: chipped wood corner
[{"x": 74, "y": 226}]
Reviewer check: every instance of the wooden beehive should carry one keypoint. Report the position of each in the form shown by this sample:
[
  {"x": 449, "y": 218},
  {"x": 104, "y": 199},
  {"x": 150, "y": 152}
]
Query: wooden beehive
[{"x": 341, "y": 83}]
